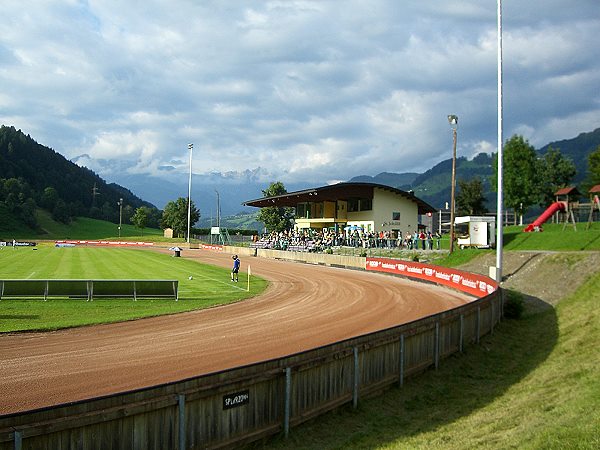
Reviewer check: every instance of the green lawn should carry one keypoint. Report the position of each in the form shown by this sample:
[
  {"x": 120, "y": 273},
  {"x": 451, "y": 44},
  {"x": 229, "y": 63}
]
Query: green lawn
[
  {"x": 84, "y": 228},
  {"x": 209, "y": 285},
  {"x": 553, "y": 238}
]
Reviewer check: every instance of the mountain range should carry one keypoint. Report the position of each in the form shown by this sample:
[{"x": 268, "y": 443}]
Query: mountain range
[
  {"x": 21, "y": 156},
  {"x": 433, "y": 185}
]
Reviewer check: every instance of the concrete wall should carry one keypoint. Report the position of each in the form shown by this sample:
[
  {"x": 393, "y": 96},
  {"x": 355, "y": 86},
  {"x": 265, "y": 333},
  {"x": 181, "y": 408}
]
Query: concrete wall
[{"x": 355, "y": 262}]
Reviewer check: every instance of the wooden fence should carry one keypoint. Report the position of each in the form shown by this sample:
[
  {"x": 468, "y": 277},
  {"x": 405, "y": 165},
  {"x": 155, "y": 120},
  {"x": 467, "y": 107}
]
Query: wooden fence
[{"x": 236, "y": 406}]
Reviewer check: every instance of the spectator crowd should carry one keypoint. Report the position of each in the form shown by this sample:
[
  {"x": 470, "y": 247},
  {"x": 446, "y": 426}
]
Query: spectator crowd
[{"x": 320, "y": 240}]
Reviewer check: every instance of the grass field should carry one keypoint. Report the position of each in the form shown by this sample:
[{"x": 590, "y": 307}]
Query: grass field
[
  {"x": 210, "y": 285},
  {"x": 86, "y": 228}
]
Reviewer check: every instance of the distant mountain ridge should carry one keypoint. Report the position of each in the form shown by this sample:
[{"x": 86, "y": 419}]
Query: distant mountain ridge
[
  {"x": 21, "y": 156},
  {"x": 433, "y": 185},
  {"x": 77, "y": 190}
]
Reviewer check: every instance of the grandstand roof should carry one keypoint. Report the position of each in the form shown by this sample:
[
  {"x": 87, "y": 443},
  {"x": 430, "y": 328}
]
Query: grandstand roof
[{"x": 340, "y": 191}]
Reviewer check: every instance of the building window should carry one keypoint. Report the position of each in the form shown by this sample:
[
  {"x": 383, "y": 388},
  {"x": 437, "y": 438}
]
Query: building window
[
  {"x": 352, "y": 204},
  {"x": 395, "y": 215},
  {"x": 366, "y": 204},
  {"x": 303, "y": 210}
]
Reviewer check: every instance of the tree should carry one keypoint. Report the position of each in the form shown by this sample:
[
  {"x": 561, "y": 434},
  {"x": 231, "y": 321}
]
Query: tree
[
  {"x": 593, "y": 175},
  {"x": 470, "y": 200},
  {"x": 49, "y": 198},
  {"x": 276, "y": 218},
  {"x": 520, "y": 175},
  {"x": 556, "y": 172},
  {"x": 60, "y": 213},
  {"x": 175, "y": 216},
  {"x": 140, "y": 218}
]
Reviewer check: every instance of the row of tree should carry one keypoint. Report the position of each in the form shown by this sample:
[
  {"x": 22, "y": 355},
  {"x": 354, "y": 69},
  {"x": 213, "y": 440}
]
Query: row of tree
[{"x": 528, "y": 179}]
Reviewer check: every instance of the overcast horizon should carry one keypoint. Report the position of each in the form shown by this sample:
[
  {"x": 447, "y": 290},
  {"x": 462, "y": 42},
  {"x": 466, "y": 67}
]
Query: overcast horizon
[{"x": 295, "y": 91}]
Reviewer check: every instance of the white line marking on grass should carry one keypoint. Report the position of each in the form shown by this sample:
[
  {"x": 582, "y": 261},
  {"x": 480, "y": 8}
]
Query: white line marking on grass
[
  {"x": 31, "y": 275},
  {"x": 216, "y": 280}
]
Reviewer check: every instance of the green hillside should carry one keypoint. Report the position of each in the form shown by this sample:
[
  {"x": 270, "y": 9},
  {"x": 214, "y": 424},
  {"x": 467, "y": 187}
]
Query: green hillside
[
  {"x": 433, "y": 185},
  {"x": 577, "y": 149},
  {"x": 79, "y": 228},
  {"x": 34, "y": 176}
]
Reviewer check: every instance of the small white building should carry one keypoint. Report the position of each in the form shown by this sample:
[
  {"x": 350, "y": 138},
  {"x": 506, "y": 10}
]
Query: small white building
[{"x": 475, "y": 231}]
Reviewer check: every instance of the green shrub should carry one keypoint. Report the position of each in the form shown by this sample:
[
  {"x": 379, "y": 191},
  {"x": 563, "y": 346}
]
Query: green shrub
[
  {"x": 415, "y": 257},
  {"x": 513, "y": 304},
  {"x": 363, "y": 253}
]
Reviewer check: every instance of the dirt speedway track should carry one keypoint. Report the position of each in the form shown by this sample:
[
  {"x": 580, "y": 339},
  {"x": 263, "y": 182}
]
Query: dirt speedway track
[{"x": 305, "y": 306}]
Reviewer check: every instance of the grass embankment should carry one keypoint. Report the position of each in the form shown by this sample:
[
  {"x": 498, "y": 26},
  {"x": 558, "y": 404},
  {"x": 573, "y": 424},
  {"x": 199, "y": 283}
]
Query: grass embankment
[
  {"x": 210, "y": 285},
  {"x": 533, "y": 384},
  {"x": 553, "y": 238},
  {"x": 86, "y": 228}
]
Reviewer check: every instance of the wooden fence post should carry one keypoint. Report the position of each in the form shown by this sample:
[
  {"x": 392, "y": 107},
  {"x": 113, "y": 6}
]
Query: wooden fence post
[
  {"x": 356, "y": 376},
  {"x": 288, "y": 400},
  {"x": 402, "y": 360},
  {"x": 462, "y": 333},
  {"x": 181, "y": 405},
  {"x": 436, "y": 348},
  {"x": 478, "y": 322},
  {"x": 18, "y": 440}
]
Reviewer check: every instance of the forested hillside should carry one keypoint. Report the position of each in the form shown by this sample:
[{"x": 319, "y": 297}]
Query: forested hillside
[
  {"x": 32, "y": 176},
  {"x": 433, "y": 186}
]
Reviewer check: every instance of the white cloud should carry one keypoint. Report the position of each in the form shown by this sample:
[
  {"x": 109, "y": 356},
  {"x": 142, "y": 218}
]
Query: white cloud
[{"x": 303, "y": 90}]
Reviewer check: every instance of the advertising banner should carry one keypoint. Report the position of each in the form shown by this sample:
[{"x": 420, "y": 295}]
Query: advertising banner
[
  {"x": 216, "y": 248},
  {"x": 115, "y": 243},
  {"x": 471, "y": 283}
]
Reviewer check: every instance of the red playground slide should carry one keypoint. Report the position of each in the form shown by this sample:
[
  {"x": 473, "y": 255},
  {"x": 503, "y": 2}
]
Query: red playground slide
[{"x": 556, "y": 206}]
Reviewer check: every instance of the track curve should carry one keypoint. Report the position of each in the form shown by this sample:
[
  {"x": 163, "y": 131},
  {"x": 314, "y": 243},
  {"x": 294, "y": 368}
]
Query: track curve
[{"x": 304, "y": 307}]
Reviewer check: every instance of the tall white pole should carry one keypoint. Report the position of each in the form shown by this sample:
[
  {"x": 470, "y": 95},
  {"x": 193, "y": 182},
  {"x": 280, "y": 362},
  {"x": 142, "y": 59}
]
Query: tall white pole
[
  {"x": 499, "y": 218},
  {"x": 191, "y": 148},
  {"x": 453, "y": 189}
]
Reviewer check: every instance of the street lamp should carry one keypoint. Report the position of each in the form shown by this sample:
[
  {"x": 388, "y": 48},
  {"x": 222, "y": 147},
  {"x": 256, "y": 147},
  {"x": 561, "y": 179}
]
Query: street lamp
[
  {"x": 453, "y": 121},
  {"x": 191, "y": 148},
  {"x": 218, "y": 210},
  {"x": 120, "y": 203}
]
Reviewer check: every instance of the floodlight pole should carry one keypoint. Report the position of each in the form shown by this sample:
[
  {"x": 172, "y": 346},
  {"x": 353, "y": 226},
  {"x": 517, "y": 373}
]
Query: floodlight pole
[
  {"x": 189, "y": 215},
  {"x": 499, "y": 218},
  {"x": 218, "y": 210},
  {"x": 120, "y": 203},
  {"x": 453, "y": 121}
]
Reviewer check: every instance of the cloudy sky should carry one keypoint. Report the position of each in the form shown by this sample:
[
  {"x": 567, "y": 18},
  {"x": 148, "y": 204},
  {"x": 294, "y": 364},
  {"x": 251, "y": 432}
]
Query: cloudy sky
[{"x": 313, "y": 91}]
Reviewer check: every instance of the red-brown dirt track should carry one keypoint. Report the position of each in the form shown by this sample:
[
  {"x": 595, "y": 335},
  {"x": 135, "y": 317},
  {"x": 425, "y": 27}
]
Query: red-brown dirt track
[{"x": 305, "y": 306}]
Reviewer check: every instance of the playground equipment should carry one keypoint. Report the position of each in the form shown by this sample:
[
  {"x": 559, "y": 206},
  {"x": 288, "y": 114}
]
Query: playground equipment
[
  {"x": 537, "y": 223},
  {"x": 594, "y": 203}
]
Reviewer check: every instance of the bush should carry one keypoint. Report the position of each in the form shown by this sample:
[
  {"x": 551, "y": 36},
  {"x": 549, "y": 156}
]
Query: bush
[
  {"x": 514, "y": 304},
  {"x": 415, "y": 257},
  {"x": 363, "y": 253}
]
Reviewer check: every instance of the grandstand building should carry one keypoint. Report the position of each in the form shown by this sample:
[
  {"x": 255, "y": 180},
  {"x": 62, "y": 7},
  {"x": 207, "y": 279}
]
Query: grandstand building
[{"x": 367, "y": 206}]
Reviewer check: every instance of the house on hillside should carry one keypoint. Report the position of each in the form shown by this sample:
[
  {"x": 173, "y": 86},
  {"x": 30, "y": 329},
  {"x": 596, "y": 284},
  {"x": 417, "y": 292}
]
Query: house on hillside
[{"x": 367, "y": 206}]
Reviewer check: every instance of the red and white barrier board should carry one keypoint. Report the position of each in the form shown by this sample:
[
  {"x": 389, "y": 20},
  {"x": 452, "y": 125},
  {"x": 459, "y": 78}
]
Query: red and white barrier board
[
  {"x": 115, "y": 243},
  {"x": 216, "y": 248},
  {"x": 471, "y": 283}
]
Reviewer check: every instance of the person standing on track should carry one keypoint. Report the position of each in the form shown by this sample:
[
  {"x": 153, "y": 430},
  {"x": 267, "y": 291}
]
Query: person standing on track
[{"x": 235, "y": 269}]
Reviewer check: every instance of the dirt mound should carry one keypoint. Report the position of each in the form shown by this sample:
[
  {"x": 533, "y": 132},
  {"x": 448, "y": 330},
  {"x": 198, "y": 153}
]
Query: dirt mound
[{"x": 546, "y": 277}]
